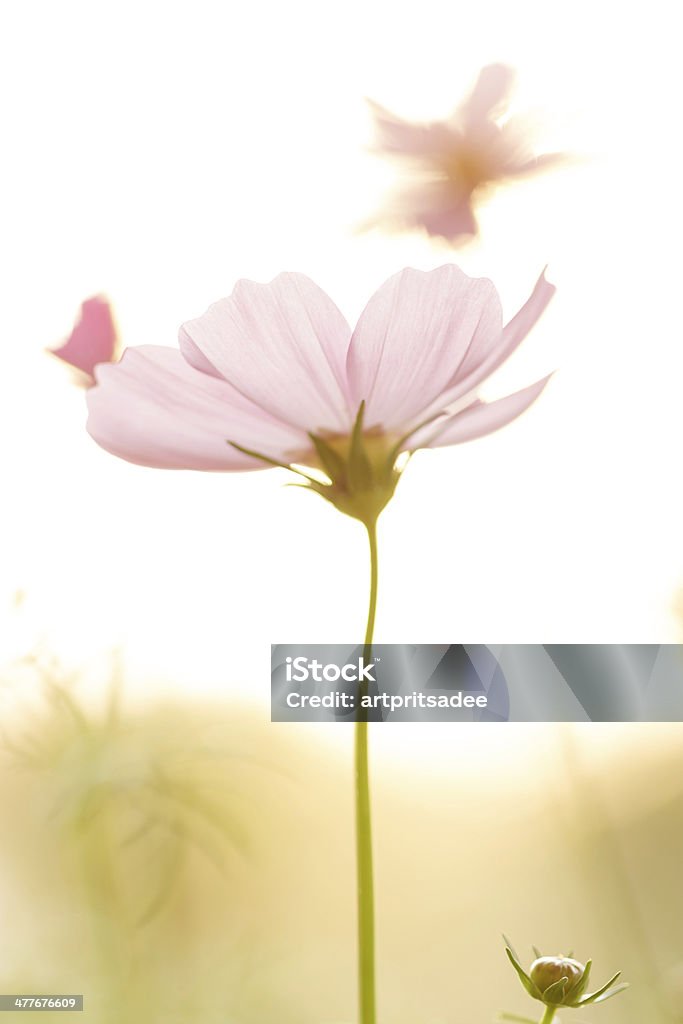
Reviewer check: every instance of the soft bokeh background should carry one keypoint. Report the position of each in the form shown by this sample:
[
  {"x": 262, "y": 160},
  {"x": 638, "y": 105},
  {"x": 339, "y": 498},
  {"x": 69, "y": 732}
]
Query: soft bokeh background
[
  {"x": 157, "y": 152},
  {"x": 192, "y": 862}
]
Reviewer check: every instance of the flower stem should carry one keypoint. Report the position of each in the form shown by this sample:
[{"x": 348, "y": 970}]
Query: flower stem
[
  {"x": 370, "y": 628},
  {"x": 548, "y": 1015},
  {"x": 365, "y": 885}
]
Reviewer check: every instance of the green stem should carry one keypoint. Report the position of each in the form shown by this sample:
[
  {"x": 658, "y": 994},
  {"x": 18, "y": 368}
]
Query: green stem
[
  {"x": 550, "y": 1012},
  {"x": 365, "y": 884},
  {"x": 370, "y": 628}
]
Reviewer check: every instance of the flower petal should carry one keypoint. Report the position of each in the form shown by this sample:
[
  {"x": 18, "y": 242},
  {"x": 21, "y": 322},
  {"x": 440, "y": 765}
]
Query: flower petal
[
  {"x": 478, "y": 419},
  {"x": 93, "y": 339},
  {"x": 154, "y": 409},
  {"x": 283, "y": 345},
  {"x": 438, "y": 206},
  {"x": 412, "y": 139},
  {"x": 195, "y": 357},
  {"x": 452, "y": 220},
  {"x": 514, "y": 332},
  {"x": 489, "y": 95},
  {"x": 412, "y": 337},
  {"x": 485, "y": 357}
]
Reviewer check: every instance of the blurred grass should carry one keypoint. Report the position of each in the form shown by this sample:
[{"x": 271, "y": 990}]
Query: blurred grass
[{"x": 186, "y": 862}]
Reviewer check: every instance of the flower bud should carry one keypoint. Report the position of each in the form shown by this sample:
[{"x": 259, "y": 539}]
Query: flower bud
[
  {"x": 561, "y": 981},
  {"x": 548, "y": 970}
]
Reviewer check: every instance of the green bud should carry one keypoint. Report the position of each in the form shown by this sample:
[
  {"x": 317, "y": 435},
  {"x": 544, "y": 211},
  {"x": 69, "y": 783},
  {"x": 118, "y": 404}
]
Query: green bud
[
  {"x": 561, "y": 980},
  {"x": 547, "y": 971}
]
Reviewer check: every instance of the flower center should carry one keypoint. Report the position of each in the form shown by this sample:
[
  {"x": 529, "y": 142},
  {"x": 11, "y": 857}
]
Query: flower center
[{"x": 467, "y": 167}]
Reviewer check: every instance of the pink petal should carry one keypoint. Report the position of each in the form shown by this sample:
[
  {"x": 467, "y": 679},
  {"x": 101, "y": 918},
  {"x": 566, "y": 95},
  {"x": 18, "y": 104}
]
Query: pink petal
[
  {"x": 408, "y": 138},
  {"x": 486, "y": 360},
  {"x": 487, "y": 355},
  {"x": 439, "y": 207},
  {"x": 412, "y": 336},
  {"x": 490, "y": 94},
  {"x": 452, "y": 221},
  {"x": 517, "y": 329},
  {"x": 93, "y": 339},
  {"x": 283, "y": 345},
  {"x": 480, "y": 418},
  {"x": 195, "y": 357},
  {"x": 154, "y": 409}
]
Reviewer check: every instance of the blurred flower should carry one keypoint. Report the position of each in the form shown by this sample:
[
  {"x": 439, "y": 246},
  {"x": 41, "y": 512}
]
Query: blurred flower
[
  {"x": 93, "y": 340},
  {"x": 273, "y": 375},
  {"x": 127, "y": 796},
  {"x": 450, "y": 164},
  {"x": 561, "y": 981},
  {"x": 155, "y": 851}
]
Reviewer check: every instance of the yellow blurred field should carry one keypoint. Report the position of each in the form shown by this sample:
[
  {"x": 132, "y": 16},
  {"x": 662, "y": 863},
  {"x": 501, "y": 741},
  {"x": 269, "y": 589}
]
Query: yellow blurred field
[{"x": 191, "y": 862}]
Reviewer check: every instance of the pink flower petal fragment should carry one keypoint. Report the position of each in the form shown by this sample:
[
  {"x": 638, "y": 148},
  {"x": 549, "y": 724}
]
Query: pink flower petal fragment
[
  {"x": 413, "y": 336},
  {"x": 283, "y": 345},
  {"x": 93, "y": 340},
  {"x": 154, "y": 409}
]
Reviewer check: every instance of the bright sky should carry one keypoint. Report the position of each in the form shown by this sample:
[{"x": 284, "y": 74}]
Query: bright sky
[{"x": 157, "y": 152}]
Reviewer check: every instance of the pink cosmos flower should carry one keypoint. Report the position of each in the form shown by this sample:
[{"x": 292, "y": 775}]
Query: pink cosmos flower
[
  {"x": 93, "y": 340},
  {"x": 275, "y": 375},
  {"x": 451, "y": 164}
]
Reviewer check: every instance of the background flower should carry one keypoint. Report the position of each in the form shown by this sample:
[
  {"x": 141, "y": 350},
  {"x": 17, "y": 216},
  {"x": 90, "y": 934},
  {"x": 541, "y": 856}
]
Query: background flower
[{"x": 448, "y": 165}]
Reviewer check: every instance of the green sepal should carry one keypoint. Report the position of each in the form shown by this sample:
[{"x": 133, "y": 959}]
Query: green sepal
[
  {"x": 554, "y": 994},
  {"x": 270, "y": 462},
  {"x": 257, "y": 455},
  {"x": 332, "y": 462},
  {"x": 536, "y": 951},
  {"x": 612, "y": 992},
  {"x": 324, "y": 490},
  {"x": 582, "y": 984},
  {"x": 509, "y": 946},
  {"x": 361, "y": 476},
  {"x": 593, "y": 997},
  {"x": 523, "y": 976}
]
